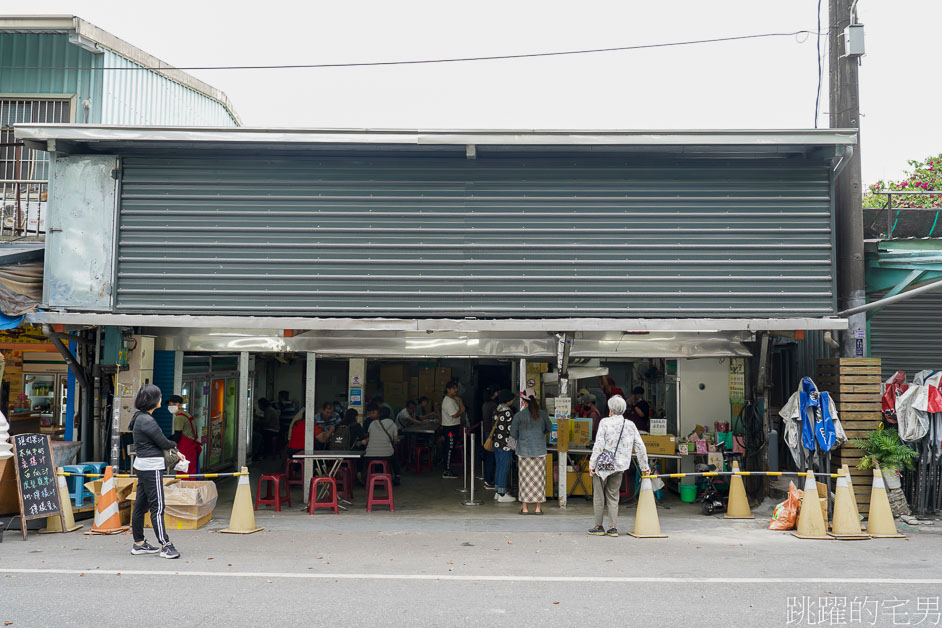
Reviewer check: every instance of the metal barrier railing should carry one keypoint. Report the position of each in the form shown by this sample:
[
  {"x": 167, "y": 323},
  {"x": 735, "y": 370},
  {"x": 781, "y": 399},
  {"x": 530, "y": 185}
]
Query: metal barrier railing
[{"x": 892, "y": 217}]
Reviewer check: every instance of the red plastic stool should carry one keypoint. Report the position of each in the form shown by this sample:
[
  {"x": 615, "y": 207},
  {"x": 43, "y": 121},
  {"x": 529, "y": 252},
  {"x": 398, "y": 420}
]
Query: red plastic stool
[
  {"x": 381, "y": 466},
  {"x": 379, "y": 480},
  {"x": 345, "y": 481},
  {"x": 420, "y": 464},
  {"x": 329, "y": 502},
  {"x": 294, "y": 471},
  {"x": 273, "y": 495}
]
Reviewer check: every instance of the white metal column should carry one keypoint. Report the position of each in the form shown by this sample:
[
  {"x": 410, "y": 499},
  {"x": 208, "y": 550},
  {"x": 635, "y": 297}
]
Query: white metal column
[
  {"x": 309, "y": 411},
  {"x": 178, "y": 372},
  {"x": 243, "y": 405}
]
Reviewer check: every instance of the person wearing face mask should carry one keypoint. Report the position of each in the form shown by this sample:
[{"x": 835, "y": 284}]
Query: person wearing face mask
[{"x": 184, "y": 433}]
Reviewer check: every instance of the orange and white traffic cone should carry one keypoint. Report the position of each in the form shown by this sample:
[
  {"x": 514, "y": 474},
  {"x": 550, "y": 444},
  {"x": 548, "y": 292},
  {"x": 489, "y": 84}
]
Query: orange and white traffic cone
[
  {"x": 107, "y": 516},
  {"x": 845, "y": 525},
  {"x": 880, "y": 521},
  {"x": 647, "y": 525},
  {"x": 811, "y": 524},
  {"x": 738, "y": 507},
  {"x": 54, "y": 524},
  {"x": 242, "y": 519}
]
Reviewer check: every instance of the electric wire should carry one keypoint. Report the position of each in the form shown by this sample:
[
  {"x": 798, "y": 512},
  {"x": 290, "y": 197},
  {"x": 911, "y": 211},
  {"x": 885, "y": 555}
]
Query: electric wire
[
  {"x": 530, "y": 55},
  {"x": 817, "y": 95}
]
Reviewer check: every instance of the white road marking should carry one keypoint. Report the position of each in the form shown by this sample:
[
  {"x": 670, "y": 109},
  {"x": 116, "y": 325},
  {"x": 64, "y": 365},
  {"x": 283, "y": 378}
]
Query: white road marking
[{"x": 460, "y": 578}]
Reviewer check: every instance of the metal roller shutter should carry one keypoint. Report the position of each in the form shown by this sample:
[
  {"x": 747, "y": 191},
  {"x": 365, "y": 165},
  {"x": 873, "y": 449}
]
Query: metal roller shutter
[
  {"x": 906, "y": 335},
  {"x": 502, "y": 236}
]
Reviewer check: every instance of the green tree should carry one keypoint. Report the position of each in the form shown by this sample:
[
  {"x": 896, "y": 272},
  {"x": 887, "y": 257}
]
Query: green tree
[{"x": 924, "y": 176}]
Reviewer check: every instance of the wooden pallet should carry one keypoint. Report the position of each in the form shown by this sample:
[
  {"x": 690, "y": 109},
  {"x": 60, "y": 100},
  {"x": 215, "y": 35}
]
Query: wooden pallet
[{"x": 855, "y": 386}]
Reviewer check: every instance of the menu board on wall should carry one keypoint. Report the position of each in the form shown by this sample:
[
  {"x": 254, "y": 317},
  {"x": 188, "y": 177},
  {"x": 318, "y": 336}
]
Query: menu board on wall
[{"x": 35, "y": 479}]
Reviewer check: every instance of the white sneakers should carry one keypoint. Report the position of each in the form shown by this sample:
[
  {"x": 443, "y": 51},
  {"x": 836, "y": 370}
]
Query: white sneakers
[{"x": 506, "y": 498}]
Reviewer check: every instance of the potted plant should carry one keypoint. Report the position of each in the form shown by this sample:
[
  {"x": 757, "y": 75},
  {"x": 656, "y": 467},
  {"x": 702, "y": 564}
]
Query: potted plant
[{"x": 884, "y": 448}]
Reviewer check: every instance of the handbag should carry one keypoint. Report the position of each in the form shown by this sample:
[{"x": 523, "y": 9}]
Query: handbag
[
  {"x": 171, "y": 457},
  {"x": 606, "y": 459},
  {"x": 489, "y": 443}
]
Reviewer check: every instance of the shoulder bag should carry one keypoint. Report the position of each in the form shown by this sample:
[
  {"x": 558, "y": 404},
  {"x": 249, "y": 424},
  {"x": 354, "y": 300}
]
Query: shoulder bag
[
  {"x": 489, "y": 443},
  {"x": 606, "y": 459},
  {"x": 171, "y": 457}
]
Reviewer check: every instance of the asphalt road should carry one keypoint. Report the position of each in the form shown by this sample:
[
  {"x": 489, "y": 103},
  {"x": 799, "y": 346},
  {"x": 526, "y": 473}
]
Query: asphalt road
[{"x": 387, "y": 570}]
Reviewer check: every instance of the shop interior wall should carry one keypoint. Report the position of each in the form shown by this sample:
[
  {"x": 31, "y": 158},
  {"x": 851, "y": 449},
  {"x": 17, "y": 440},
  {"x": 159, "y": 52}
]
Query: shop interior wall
[
  {"x": 707, "y": 405},
  {"x": 330, "y": 382}
]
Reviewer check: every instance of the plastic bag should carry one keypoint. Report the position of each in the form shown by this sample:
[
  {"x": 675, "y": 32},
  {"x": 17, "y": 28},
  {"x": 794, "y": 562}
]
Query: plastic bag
[{"x": 785, "y": 515}]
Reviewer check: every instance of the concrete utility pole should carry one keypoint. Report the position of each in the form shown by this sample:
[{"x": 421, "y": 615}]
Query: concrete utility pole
[{"x": 844, "y": 106}]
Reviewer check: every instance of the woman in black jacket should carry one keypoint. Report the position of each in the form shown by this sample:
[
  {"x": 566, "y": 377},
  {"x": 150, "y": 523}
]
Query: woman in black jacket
[{"x": 149, "y": 446}]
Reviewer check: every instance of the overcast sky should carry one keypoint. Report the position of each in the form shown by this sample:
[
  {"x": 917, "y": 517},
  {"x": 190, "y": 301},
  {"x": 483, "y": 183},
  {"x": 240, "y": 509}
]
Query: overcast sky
[{"x": 767, "y": 83}]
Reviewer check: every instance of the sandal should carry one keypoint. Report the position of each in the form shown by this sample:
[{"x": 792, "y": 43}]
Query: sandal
[{"x": 525, "y": 512}]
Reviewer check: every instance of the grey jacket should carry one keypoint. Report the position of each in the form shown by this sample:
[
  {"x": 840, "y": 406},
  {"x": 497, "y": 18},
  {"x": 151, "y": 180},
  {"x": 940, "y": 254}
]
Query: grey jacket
[
  {"x": 149, "y": 439},
  {"x": 530, "y": 433}
]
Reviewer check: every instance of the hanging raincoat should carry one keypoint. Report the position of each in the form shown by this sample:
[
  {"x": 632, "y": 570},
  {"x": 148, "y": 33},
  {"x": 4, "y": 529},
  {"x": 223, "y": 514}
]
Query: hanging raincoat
[
  {"x": 914, "y": 406},
  {"x": 810, "y": 420},
  {"x": 893, "y": 388}
]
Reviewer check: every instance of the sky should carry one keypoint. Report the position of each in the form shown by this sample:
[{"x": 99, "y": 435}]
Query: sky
[{"x": 760, "y": 84}]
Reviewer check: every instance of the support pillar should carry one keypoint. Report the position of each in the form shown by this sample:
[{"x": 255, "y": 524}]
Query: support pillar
[
  {"x": 243, "y": 406},
  {"x": 310, "y": 410}
]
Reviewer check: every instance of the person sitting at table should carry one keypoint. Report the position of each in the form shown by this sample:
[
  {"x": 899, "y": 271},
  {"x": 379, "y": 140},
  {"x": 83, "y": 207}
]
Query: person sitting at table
[
  {"x": 296, "y": 438},
  {"x": 382, "y": 437},
  {"x": 372, "y": 413},
  {"x": 327, "y": 416},
  {"x": 406, "y": 416},
  {"x": 424, "y": 410},
  {"x": 381, "y": 402},
  {"x": 349, "y": 435}
]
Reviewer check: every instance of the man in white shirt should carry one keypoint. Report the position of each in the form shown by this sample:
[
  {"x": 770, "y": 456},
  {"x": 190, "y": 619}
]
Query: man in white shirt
[
  {"x": 452, "y": 409},
  {"x": 406, "y": 416}
]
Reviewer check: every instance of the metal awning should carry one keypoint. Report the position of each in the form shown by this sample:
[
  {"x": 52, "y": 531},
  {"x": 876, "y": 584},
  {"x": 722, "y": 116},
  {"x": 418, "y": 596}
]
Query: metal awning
[
  {"x": 543, "y": 325},
  {"x": 16, "y": 252},
  {"x": 117, "y": 139}
]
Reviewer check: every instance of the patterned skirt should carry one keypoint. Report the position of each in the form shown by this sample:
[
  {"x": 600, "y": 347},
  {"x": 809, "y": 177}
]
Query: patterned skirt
[{"x": 532, "y": 476}]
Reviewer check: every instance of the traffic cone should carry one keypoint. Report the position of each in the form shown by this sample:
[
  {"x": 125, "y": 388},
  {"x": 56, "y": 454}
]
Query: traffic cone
[
  {"x": 242, "y": 519},
  {"x": 738, "y": 507},
  {"x": 850, "y": 484},
  {"x": 107, "y": 516},
  {"x": 811, "y": 523},
  {"x": 647, "y": 525},
  {"x": 880, "y": 522},
  {"x": 845, "y": 524},
  {"x": 54, "y": 524}
]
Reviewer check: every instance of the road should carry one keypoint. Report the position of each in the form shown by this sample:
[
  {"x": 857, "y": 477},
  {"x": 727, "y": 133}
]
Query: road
[{"x": 389, "y": 570}]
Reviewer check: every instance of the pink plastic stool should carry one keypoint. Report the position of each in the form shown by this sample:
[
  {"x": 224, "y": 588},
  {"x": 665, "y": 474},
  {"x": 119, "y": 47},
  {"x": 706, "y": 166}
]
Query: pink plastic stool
[{"x": 380, "y": 480}]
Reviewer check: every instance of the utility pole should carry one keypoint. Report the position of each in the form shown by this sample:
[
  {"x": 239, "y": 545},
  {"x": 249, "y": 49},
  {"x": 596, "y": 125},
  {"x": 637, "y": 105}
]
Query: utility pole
[{"x": 844, "y": 107}]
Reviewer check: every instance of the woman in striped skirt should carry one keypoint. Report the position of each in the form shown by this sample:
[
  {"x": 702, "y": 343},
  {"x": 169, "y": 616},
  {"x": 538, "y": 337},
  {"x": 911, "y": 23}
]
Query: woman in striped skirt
[{"x": 529, "y": 428}]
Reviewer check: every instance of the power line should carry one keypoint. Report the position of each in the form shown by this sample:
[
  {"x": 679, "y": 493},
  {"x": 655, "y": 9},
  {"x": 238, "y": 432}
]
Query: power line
[{"x": 531, "y": 55}]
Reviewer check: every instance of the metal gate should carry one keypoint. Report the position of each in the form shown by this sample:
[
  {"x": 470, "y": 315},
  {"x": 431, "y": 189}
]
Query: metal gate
[
  {"x": 505, "y": 236},
  {"x": 906, "y": 335}
]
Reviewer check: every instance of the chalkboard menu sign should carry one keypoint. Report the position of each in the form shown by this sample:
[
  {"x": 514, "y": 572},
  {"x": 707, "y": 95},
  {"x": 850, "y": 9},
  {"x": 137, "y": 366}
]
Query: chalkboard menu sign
[{"x": 35, "y": 478}]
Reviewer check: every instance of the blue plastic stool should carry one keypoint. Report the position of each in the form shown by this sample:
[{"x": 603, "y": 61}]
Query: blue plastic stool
[{"x": 76, "y": 484}]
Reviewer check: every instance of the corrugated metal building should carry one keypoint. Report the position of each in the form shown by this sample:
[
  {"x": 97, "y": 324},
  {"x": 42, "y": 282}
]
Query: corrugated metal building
[{"x": 419, "y": 245}]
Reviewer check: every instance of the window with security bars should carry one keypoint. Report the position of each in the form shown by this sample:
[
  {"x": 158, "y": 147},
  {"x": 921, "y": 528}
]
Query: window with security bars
[{"x": 23, "y": 172}]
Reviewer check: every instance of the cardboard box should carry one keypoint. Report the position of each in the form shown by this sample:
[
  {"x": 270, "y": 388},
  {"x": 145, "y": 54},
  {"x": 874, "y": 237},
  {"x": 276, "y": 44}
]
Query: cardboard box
[
  {"x": 189, "y": 504},
  {"x": 659, "y": 427},
  {"x": 413, "y": 388},
  {"x": 389, "y": 373},
  {"x": 442, "y": 377},
  {"x": 395, "y": 394},
  {"x": 581, "y": 432},
  {"x": 426, "y": 381},
  {"x": 573, "y": 487},
  {"x": 9, "y": 497},
  {"x": 660, "y": 444}
]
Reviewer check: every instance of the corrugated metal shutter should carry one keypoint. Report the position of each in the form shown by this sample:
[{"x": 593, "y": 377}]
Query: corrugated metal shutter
[
  {"x": 906, "y": 335},
  {"x": 164, "y": 364},
  {"x": 499, "y": 236}
]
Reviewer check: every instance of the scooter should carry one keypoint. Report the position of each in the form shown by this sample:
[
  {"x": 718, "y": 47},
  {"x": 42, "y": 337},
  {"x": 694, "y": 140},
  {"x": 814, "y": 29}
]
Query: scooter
[{"x": 711, "y": 500}]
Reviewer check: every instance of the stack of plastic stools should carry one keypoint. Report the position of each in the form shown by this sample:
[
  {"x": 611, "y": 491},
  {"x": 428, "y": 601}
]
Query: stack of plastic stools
[
  {"x": 98, "y": 467},
  {"x": 421, "y": 458},
  {"x": 294, "y": 472},
  {"x": 76, "y": 483},
  {"x": 345, "y": 480},
  {"x": 329, "y": 502},
  {"x": 382, "y": 467},
  {"x": 378, "y": 480},
  {"x": 273, "y": 494}
]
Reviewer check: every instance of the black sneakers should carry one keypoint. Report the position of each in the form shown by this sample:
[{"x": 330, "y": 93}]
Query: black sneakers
[
  {"x": 169, "y": 551},
  {"x": 597, "y": 531},
  {"x": 449, "y": 475},
  {"x": 144, "y": 548},
  {"x": 612, "y": 532}
]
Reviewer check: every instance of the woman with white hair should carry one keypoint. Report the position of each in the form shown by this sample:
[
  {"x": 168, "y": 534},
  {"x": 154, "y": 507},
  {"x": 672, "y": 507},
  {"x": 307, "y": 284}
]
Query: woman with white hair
[{"x": 615, "y": 441}]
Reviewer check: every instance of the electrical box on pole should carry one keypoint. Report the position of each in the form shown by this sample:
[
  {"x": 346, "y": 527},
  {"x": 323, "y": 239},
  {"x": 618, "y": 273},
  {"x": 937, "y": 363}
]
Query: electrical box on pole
[{"x": 854, "y": 41}]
